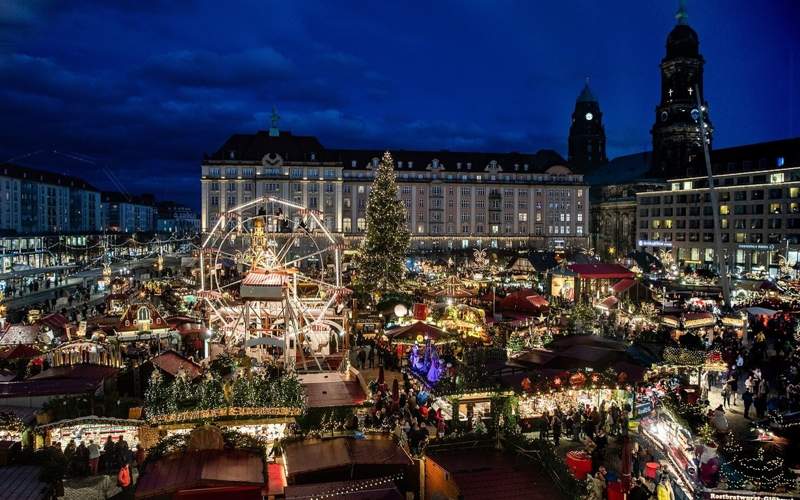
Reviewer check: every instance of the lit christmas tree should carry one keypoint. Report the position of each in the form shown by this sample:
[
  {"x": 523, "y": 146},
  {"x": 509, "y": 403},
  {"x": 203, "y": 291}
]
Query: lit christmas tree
[{"x": 386, "y": 241}]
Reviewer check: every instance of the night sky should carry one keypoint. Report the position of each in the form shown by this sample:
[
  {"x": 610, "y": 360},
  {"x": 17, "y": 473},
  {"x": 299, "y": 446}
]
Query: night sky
[{"x": 145, "y": 87}]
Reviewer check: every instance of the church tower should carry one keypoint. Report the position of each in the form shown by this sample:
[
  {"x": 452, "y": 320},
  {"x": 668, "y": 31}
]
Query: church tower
[
  {"x": 677, "y": 143},
  {"x": 587, "y": 137}
]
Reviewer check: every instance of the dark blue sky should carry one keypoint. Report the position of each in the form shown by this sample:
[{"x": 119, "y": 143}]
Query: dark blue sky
[{"x": 147, "y": 86}]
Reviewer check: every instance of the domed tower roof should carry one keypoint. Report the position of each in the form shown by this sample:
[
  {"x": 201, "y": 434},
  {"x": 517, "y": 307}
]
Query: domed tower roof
[
  {"x": 586, "y": 94},
  {"x": 682, "y": 40}
]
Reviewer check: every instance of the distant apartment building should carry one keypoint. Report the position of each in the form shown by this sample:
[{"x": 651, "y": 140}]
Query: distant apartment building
[
  {"x": 35, "y": 201},
  {"x": 124, "y": 213},
  {"x": 452, "y": 199},
  {"x": 176, "y": 219}
]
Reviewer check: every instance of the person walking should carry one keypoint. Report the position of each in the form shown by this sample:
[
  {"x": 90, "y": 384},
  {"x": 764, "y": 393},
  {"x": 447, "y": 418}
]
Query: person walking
[
  {"x": 556, "y": 430},
  {"x": 726, "y": 396},
  {"x": 747, "y": 399},
  {"x": 94, "y": 457}
]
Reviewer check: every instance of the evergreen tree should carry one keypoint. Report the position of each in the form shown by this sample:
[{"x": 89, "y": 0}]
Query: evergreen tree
[{"x": 382, "y": 255}]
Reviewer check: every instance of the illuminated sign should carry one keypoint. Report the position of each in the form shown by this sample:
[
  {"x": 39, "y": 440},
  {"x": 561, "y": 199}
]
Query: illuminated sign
[
  {"x": 755, "y": 246},
  {"x": 654, "y": 243}
]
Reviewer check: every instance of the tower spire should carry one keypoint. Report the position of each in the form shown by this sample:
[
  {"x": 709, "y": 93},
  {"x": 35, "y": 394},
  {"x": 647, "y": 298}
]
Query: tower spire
[
  {"x": 274, "y": 119},
  {"x": 681, "y": 15}
]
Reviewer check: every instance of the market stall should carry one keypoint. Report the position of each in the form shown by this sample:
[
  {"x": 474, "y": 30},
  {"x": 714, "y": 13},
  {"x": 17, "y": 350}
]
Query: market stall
[
  {"x": 92, "y": 427},
  {"x": 675, "y": 443}
]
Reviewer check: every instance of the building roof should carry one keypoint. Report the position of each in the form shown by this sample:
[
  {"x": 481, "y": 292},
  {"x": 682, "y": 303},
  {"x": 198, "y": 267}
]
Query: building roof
[
  {"x": 418, "y": 328},
  {"x": 172, "y": 362},
  {"x": 601, "y": 271},
  {"x": 19, "y": 351},
  {"x": 21, "y": 482},
  {"x": 204, "y": 469},
  {"x": 302, "y": 457},
  {"x": 487, "y": 473},
  {"x": 364, "y": 489},
  {"x": 262, "y": 147},
  {"x": 329, "y": 389},
  {"x": 43, "y": 176},
  {"x": 623, "y": 285},
  {"x": 20, "y": 334}
]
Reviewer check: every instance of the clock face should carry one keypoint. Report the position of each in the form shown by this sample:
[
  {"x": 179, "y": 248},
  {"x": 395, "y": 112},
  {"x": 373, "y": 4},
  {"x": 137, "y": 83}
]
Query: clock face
[
  {"x": 664, "y": 116},
  {"x": 695, "y": 114},
  {"x": 589, "y": 116}
]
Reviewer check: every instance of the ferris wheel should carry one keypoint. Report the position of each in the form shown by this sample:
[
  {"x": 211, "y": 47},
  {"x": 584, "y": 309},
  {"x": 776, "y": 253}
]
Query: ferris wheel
[{"x": 270, "y": 273}]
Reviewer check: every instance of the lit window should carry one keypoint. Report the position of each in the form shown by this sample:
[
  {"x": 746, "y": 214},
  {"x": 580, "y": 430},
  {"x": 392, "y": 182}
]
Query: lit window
[
  {"x": 776, "y": 178},
  {"x": 523, "y": 217}
]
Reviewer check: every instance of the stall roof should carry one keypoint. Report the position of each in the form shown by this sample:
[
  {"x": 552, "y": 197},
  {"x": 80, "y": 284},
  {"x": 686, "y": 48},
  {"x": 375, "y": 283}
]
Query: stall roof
[
  {"x": 21, "y": 482},
  {"x": 20, "y": 334},
  {"x": 412, "y": 331},
  {"x": 303, "y": 456},
  {"x": 609, "y": 302},
  {"x": 171, "y": 362},
  {"x": 201, "y": 469},
  {"x": 761, "y": 311},
  {"x": 601, "y": 271},
  {"x": 364, "y": 489},
  {"x": 329, "y": 389},
  {"x": 27, "y": 415},
  {"x": 487, "y": 473},
  {"x": 623, "y": 285},
  {"x": 20, "y": 351}
]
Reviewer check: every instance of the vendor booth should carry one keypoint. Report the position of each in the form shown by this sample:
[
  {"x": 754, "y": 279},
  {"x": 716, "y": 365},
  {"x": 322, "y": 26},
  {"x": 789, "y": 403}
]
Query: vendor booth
[{"x": 95, "y": 428}]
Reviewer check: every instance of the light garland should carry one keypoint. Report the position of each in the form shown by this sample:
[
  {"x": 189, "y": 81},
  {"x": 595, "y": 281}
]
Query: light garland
[{"x": 361, "y": 486}]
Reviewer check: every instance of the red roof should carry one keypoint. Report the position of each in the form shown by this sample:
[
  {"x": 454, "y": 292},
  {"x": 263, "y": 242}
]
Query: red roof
[
  {"x": 204, "y": 469},
  {"x": 609, "y": 302},
  {"x": 265, "y": 279},
  {"x": 20, "y": 351},
  {"x": 622, "y": 285},
  {"x": 601, "y": 271},
  {"x": 523, "y": 301},
  {"x": 55, "y": 321},
  {"x": 171, "y": 362}
]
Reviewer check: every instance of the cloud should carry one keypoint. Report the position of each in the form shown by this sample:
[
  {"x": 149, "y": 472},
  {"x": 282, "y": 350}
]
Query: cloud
[{"x": 201, "y": 68}]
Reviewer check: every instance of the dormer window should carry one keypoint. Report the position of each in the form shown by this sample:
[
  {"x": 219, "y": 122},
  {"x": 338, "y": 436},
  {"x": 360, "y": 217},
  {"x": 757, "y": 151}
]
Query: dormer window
[
  {"x": 231, "y": 155},
  {"x": 435, "y": 163},
  {"x": 458, "y": 166},
  {"x": 374, "y": 162},
  {"x": 411, "y": 164},
  {"x": 469, "y": 166},
  {"x": 399, "y": 164},
  {"x": 143, "y": 314},
  {"x": 353, "y": 164},
  {"x": 313, "y": 156},
  {"x": 525, "y": 167}
]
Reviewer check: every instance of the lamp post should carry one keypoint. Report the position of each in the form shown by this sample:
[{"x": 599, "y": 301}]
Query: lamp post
[{"x": 723, "y": 266}]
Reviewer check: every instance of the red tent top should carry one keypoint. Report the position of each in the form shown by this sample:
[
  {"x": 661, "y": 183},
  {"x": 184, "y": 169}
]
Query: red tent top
[
  {"x": 523, "y": 301},
  {"x": 172, "y": 362},
  {"x": 601, "y": 271},
  {"x": 623, "y": 285}
]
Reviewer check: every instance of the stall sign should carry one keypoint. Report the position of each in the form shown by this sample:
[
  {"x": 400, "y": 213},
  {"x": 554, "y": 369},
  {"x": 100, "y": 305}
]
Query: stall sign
[
  {"x": 563, "y": 286},
  {"x": 420, "y": 311}
]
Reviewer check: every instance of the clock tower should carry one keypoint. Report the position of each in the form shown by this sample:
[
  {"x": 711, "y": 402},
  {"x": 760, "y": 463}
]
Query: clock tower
[
  {"x": 677, "y": 143},
  {"x": 587, "y": 137}
]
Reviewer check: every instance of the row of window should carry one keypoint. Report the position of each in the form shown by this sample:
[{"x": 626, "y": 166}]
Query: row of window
[{"x": 709, "y": 237}]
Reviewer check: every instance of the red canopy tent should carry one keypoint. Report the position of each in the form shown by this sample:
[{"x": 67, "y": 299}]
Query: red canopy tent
[
  {"x": 523, "y": 301},
  {"x": 601, "y": 271}
]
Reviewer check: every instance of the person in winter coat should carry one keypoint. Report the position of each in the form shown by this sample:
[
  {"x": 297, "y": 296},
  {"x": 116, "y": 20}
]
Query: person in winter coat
[{"x": 747, "y": 399}]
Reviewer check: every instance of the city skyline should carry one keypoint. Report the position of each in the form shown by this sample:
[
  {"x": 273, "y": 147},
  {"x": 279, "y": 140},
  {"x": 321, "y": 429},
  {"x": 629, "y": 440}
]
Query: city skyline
[{"x": 152, "y": 102}]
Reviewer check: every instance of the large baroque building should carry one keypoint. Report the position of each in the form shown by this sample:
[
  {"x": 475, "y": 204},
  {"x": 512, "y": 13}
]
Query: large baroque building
[{"x": 452, "y": 199}]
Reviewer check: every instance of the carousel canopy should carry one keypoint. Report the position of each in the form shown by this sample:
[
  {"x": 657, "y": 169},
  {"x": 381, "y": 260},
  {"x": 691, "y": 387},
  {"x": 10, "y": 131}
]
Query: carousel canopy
[
  {"x": 413, "y": 332},
  {"x": 522, "y": 265},
  {"x": 601, "y": 271},
  {"x": 325, "y": 390}
]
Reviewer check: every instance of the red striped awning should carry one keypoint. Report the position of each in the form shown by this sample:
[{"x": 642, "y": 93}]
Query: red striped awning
[{"x": 265, "y": 279}]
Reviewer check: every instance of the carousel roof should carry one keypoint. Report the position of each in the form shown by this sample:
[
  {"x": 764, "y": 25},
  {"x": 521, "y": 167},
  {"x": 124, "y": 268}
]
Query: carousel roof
[{"x": 414, "y": 330}]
